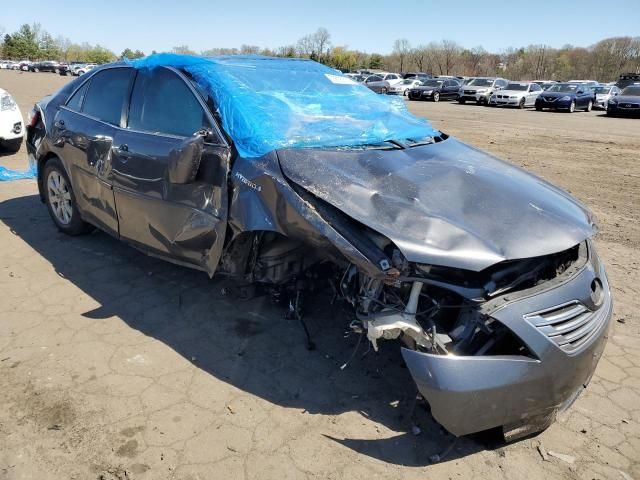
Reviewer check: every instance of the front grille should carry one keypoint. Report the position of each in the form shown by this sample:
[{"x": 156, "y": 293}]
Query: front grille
[
  {"x": 549, "y": 99},
  {"x": 470, "y": 92},
  {"x": 629, "y": 105},
  {"x": 571, "y": 326}
]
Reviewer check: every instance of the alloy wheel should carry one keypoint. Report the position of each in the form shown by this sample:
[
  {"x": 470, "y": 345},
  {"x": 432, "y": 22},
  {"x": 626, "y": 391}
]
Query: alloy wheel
[{"x": 59, "y": 197}]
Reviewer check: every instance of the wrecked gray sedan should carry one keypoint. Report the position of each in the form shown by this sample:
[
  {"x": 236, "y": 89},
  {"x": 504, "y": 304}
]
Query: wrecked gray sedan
[{"x": 285, "y": 174}]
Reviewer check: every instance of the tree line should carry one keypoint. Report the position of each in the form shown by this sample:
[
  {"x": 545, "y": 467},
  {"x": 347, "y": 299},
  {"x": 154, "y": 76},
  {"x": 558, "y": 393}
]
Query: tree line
[{"x": 604, "y": 60}]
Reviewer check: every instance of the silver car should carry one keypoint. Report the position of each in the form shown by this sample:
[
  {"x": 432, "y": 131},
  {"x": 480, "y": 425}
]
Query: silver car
[
  {"x": 516, "y": 94},
  {"x": 604, "y": 93},
  {"x": 480, "y": 89}
]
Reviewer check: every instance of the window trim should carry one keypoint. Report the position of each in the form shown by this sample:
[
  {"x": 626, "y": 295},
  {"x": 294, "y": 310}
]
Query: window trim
[{"x": 196, "y": 94}]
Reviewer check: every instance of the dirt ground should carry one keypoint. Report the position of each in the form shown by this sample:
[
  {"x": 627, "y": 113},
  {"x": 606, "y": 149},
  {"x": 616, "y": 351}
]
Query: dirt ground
[{"x": 114, "y": 365}]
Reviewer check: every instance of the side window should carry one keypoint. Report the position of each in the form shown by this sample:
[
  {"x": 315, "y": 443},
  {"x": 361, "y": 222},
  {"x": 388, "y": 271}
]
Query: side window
[
  {"x": 106, "y": 94},
  {"x": 162, "y": 102},
  {"x": 75, "y": 102}
]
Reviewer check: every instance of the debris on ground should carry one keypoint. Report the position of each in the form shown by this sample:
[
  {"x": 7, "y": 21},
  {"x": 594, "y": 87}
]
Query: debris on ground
[
  {"x": 561, "y": 456},
  {"x": 542, "y": 451}
]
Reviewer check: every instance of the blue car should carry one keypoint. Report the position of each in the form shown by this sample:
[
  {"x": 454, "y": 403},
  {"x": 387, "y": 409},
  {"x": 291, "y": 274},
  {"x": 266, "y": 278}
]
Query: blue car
[{"x": 566, "y": 96}]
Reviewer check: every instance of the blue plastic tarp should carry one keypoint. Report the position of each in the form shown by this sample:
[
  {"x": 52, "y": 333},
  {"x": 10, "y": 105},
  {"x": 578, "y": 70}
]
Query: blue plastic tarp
[
  {"x": 270, "y": 103},
  {"x": 7, "y": 174}
]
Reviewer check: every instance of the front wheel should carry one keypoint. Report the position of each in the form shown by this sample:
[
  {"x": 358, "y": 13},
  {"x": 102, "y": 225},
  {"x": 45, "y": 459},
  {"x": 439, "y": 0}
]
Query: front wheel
[
  {"x": 572, "y": 106},
  {"x": 589, "y": 106},
  {"x": 436, "y": 97},
  {"x": 521, "y": 104},
  {"x": 61, "y": 201}
]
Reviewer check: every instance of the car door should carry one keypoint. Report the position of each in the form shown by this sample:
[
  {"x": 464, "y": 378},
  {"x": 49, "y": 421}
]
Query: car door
[
  {"x": 83, "y": 132},
  {"x": 451, "y": 88},
  {"x": 182, "y": 222},
  {"x": 534, "y": 91}
]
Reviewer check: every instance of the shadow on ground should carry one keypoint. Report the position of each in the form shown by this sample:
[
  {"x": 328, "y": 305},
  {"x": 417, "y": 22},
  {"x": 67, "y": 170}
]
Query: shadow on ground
[{"x": 246, "y": 343}]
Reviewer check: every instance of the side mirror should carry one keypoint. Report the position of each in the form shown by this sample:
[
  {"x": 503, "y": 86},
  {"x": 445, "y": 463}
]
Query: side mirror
[
  {"x": 184, "y": 160},
  {"x": 580, "y": 92}
]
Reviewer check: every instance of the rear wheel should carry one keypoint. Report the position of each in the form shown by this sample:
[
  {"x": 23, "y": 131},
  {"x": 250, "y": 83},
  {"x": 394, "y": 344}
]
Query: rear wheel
[
  {"x": 589, "y": 106},
  {"x": 436, "y": 96},
  {"x": 61, "y": 201}
]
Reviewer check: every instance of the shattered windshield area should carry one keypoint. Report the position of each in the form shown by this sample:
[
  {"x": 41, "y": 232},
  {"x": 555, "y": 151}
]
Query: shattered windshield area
[{"x": 270, "y": 103}]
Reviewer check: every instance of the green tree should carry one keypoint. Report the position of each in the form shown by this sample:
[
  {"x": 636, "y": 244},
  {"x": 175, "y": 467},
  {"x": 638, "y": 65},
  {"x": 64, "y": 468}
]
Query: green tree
[
  {"x": 130, "y": 54},
  {"x": 376, "y": 60}
]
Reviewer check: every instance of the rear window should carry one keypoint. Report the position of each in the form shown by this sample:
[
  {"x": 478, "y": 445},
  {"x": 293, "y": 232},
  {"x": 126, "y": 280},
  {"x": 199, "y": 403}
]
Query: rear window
[{"x": 106, "y": 94}]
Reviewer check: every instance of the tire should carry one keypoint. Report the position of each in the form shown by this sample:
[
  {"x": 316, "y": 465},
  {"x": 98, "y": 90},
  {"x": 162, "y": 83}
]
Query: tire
[
  {"x": 572, "y": 107},
  {"x": 521, "y": 104},
  {"x": 11, "y": 146},
  {"x": 589, "y": 106},
  {"x": 36, "y": 70},
  {"x": 436, "y": 96},
  {"x": 384, "y": 90},
  {"x": 57, "y": 70},
  {"x": 61, "y": 201}
]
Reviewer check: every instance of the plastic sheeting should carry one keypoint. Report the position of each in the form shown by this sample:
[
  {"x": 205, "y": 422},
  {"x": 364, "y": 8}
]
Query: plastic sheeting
[
  {"x": 270, "y": 103},
  {"x": 7, "y": 174}
]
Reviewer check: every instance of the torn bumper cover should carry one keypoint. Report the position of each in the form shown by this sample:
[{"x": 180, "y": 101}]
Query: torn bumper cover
[{"x": 566, "y": 334}]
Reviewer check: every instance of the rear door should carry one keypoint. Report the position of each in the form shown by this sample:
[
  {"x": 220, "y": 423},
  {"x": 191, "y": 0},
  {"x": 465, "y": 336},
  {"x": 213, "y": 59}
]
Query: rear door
[
  {"x": 83, "y": 132},
  {"x": 185, "y": 223}
]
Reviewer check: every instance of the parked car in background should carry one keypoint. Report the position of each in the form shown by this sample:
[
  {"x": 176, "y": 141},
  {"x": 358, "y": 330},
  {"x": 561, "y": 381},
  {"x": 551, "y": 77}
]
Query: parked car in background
[
  {"x": 627, "y": 79},
  {"x": 566, "y": 96},
  {"x": 84, "y": 69},
  {"x": 377, "y": 84},
  {"x": 356, "y": 77},
  {"x": 545, "y": 84},
  {"x": 11, "y": 124},
  {"x": 479, "y": 89},
  {"x": 590, "y": 83},
  {"x": 627, "y": 103},
  {"x": 46, "y": 66},
  {"x": 604, "y": 93},
  {"x": 23, "y": 66},
  {"x": 435, "y": 89},
  {"x": 404, "y": 86},
  {"x": 391, "y": 78},
  {"x": 516, "y": 94},
  {"x": 418, "y": 75}
]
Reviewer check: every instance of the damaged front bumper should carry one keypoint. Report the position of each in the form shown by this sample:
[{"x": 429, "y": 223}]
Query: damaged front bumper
[{"x": 564, "y": 328}]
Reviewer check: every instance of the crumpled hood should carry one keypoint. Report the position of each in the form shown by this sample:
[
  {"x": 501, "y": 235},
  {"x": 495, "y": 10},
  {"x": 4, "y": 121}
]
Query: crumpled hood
[{"x": 445, "y": 203}]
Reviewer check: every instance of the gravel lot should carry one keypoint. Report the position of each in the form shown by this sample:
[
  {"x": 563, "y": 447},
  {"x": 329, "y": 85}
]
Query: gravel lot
[{"x": 114, "y": 365}]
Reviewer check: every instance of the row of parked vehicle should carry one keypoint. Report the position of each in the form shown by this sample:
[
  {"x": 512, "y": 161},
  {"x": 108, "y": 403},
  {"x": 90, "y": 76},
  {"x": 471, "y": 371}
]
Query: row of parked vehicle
[
  {"x": 52, "y": 66},
  {"x": 615, "y": 97}
]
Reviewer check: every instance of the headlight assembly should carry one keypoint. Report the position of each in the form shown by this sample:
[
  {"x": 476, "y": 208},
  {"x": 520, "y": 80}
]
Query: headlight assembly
[{"x": 7, "y": 103}]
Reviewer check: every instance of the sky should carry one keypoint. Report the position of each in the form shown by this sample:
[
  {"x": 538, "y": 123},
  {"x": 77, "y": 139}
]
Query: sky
[{"x": 368, "y": 25}]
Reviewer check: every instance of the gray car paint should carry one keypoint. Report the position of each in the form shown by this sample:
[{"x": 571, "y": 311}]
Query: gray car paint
[
  {"x": 470, "y": 394},
  {"x": 444, "y": 204}
]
